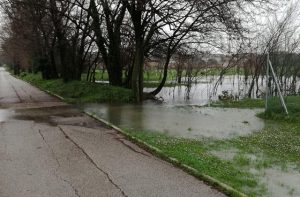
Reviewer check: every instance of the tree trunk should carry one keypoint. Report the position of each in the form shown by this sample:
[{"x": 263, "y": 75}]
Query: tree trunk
[
  {"x": 165, "y": 76},
  {"x": 137, "y": 72},
  {"x": 114, "y": 67}
]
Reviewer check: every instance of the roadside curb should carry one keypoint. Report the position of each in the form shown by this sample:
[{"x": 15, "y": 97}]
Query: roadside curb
[
  {"x": 220, "y": 186},
  {"x": 55, "y": 95}
]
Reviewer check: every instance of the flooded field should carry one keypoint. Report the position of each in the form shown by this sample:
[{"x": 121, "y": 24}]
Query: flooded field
[
  {"x": 204, "y": 90},
  {"x": 181, "y": 121},
  {"x": 180, "y": 115}
]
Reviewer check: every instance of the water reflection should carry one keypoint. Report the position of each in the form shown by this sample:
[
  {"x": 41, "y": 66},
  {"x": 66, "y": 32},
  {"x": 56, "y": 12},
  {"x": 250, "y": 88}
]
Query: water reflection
[
  {"x": 205, "y": 90},
  {"x": 180, "y": 116},
  {"x": 181, "y": 121}
]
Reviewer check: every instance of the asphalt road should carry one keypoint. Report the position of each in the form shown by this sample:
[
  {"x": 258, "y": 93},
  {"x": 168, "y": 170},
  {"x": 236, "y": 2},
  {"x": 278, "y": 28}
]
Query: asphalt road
[{"x": 50, "y": 149}]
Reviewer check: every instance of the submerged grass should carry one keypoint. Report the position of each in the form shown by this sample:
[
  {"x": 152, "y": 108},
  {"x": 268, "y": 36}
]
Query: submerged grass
[
  {"x": 81, "y": 91},
  {"x": 245, "y": 103},
  {"x": 196, "y": 154},
  {"x": 243, "y": 160}
]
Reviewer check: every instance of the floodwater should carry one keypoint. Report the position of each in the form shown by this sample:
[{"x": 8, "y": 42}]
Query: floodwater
[
  {"x": 287, "y": 185},
  {"x": 203, "y": 90},
  {"x": 277, "y": 180},
  {"x": 181, "y": 121},
  {"x": 180, "y": 115}
]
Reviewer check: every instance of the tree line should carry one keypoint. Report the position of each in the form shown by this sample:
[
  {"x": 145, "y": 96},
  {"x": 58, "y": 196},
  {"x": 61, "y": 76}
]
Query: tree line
[{"x": 64, "y": 38}]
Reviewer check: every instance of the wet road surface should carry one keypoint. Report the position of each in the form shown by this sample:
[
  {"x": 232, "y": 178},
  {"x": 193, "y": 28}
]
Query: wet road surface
[{"x": 50, "y": 149}]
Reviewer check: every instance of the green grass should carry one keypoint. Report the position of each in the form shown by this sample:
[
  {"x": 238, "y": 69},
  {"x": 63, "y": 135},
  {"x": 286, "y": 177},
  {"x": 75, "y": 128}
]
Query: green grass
[
  {"x": 100, "y": 75},
  {"x": 217, "y": 71},
  {"x": 277, "y": 145},
  {"x": 81, "y": 91},
  {"x": 275, "y": 110},
  {"x": 157, "y": 74}
]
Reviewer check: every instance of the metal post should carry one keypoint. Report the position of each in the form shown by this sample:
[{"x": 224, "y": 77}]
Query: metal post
[
  {"x": 267, "y": 83},
  {"x": 278, "y": 87}
]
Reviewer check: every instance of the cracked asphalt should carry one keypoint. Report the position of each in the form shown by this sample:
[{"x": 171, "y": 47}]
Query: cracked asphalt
[{"x": 50, "y": 149}]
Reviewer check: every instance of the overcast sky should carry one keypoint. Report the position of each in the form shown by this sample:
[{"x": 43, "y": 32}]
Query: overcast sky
[{"x": 260, "y": 20}]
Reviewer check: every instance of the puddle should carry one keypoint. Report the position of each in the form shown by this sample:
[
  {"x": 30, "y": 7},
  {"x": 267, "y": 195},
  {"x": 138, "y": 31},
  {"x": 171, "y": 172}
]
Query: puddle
[
  {"x": 64, "y": 111},
  {"x": 49, "y": 115},
  {"x": 181, "y": 121},
  {"x": 58, "y": 115}
]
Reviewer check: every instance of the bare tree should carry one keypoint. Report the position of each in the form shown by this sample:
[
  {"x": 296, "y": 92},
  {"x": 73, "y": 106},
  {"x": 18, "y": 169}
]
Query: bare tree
[
  {"x": 174, "y": 23},
  {"x": 108, "y": 18}
]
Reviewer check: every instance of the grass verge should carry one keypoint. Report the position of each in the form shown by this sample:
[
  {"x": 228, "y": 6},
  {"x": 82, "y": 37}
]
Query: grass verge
[{"x": 81, "y": 91}]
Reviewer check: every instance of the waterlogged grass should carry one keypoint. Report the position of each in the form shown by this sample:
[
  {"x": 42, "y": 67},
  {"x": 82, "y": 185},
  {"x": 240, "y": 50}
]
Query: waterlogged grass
[
  {"x": 197, "y": 154},
  {"x": 81, "y": 91},
  {"x": 241, "y": 162}
]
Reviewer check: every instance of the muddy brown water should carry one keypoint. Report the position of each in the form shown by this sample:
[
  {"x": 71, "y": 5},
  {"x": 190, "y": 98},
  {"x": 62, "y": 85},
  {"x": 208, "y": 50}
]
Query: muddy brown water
[{"x": 181, "y": 121}]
